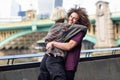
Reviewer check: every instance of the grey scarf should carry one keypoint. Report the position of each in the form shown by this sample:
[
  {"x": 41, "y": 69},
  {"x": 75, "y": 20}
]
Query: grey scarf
[{"x": 62, "y": 32}]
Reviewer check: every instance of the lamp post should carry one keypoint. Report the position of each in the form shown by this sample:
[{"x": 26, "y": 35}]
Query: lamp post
[{"x": 34, "y": 26}]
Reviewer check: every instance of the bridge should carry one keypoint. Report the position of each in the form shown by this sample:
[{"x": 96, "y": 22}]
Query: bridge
[
  {"x": 103, "y": 32},
  {"x": 26, "y": 29},
  {"x": 14, "y": 31}
]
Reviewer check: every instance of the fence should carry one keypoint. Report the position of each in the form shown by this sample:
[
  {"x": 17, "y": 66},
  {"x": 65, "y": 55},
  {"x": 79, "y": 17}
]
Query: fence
[{"x": 84, "y": 53}]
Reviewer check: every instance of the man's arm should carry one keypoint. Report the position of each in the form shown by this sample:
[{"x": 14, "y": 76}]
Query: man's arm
[{"x": 67, "y": 45}]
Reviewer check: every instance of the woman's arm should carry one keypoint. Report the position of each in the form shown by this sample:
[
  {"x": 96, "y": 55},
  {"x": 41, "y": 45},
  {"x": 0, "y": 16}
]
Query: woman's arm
[
  {"x": 67, "y": 45},
  {"x": 64, "y": 46}
]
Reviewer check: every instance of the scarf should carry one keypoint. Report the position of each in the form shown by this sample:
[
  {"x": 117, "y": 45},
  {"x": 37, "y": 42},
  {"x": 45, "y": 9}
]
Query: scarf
[{"x": 61, "y": 32}]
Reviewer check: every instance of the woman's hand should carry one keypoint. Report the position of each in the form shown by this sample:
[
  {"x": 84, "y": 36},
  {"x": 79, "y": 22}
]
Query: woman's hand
[{"x": 49, "y": 45}]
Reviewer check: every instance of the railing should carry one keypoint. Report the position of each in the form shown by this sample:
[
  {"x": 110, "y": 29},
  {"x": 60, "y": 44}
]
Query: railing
[
  {"x": 84, "y": 53},
  {"x": 88, "y": 52},
  {"x": 10, "y": 59}
]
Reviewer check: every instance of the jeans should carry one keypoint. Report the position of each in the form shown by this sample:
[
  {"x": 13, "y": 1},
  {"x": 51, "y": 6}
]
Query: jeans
[
  {"x": 52, "y": 68},
  {"x": 70, "y": 74}
]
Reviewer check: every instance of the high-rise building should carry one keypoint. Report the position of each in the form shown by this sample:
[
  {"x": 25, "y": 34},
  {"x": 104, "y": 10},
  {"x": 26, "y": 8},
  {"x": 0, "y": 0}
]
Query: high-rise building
[
  {"x": 58, "y": 3},
  {"x": 9, "y": 8},
  {"x": 9, "y": 11},
  {"x": 46, "y": 7}
]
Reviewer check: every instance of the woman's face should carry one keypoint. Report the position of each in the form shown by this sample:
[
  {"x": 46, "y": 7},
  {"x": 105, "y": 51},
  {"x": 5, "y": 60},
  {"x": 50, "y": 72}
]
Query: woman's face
[{"x": 73, "y": 18}]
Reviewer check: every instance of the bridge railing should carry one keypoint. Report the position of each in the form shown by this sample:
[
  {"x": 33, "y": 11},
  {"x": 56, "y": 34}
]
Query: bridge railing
[
  {"x": 112, "y": 51},
  {"x": 84, "y": 53}
]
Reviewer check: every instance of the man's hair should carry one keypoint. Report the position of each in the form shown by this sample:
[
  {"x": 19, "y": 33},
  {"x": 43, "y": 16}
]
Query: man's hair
[
  {"x": 83, "y": 17},
  {"x": 59, "y": 14}
]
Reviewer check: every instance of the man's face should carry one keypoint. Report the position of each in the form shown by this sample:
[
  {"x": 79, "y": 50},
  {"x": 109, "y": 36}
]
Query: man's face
[{"x": 73, "y": 18}]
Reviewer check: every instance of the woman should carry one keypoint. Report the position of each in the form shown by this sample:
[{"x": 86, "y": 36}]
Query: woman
[{"x": 76, "y": 16}]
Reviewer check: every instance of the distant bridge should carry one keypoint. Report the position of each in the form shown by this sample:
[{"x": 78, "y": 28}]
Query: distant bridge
[{"x": 13, "y": 31}]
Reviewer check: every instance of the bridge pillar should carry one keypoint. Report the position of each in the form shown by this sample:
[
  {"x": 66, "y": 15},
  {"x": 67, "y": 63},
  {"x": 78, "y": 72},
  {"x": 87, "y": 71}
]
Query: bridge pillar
[
  {"x": 104, "y": 26},
  {"x": 104, "y": 31},
  {"x": 119, "y": 31}
]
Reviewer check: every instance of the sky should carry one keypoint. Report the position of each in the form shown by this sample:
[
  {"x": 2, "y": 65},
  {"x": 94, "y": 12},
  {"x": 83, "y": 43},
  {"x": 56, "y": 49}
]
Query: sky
[
  {"x": 88, "y": 4},
  {"x": 26, "y": 3},
  {"x": 6, "y": 9}
]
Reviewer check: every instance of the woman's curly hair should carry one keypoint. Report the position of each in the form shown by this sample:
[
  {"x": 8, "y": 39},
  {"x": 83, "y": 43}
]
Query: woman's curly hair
[{"x": 83, "y": 17}]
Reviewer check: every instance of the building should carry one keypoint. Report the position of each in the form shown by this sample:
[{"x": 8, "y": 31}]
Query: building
[
  {"x": 9, "y": 11},
  {"x": 46, "y": 7}
]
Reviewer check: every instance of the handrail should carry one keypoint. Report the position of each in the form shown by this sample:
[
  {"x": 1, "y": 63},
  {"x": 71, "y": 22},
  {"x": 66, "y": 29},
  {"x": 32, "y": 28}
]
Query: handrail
[
  {"x": 85, "y": 52},
  {"x": 101, "y": 50},
  {"x": 13, "y": 57},
  {"x": 21, "y": 56},
  {"x": 41, "y": 54}
]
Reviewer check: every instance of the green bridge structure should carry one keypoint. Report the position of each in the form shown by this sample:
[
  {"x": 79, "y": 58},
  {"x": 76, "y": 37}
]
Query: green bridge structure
[
  {"x": 9, "y": 33},
  {"x": 103, "y": 32}
]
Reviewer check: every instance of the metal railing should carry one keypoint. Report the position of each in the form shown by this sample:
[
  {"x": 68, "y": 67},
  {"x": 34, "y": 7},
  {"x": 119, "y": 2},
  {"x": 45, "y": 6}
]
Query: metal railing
[
  {"x": 10, "y": 59},
  {"x": 86, "y": 53}
]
